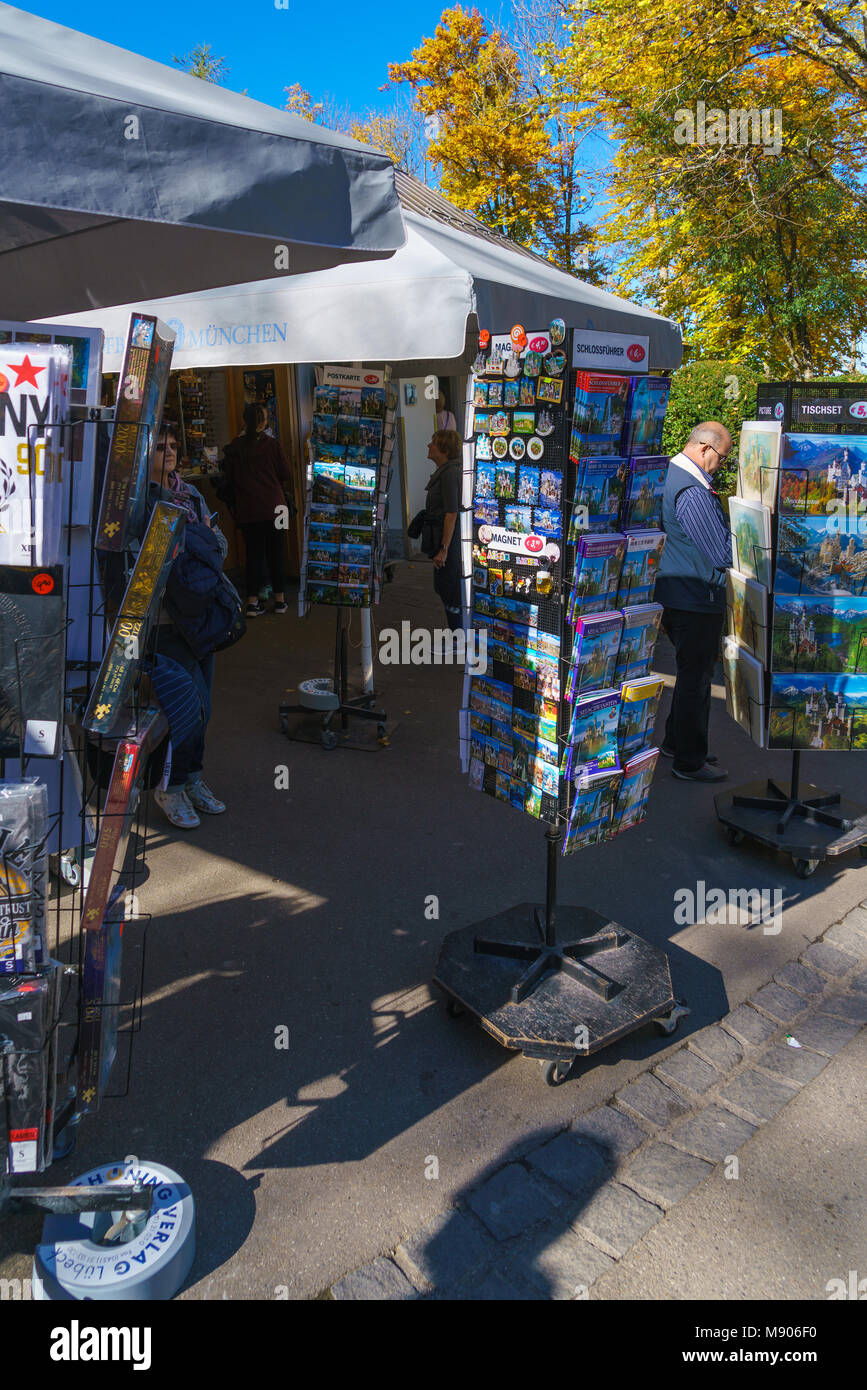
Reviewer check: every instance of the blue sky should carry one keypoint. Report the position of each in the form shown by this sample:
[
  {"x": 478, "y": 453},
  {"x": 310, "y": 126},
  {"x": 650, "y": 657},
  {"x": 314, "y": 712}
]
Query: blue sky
[{"x": 337, "y": 47}]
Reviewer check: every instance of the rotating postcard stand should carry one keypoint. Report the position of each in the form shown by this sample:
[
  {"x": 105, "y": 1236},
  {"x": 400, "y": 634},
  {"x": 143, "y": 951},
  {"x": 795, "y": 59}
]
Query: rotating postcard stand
[
  {"x": 331, "y": 697},
  {"x": 555, "y": 983},
  {"x": 805, "y": 821}
]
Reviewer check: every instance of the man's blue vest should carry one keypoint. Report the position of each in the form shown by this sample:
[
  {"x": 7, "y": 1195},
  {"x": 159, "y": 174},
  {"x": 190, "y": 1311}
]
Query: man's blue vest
[{"x": 686, "y": 579}]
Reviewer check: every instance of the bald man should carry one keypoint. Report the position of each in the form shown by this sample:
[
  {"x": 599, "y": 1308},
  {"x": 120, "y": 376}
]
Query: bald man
[{"x": 691, "y": 587}]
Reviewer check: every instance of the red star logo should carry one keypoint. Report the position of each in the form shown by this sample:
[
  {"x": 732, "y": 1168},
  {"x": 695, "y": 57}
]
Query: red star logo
[{"x": 26, "y": 372}]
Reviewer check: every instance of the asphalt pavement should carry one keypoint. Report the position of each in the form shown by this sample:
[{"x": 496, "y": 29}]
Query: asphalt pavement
[{"x": 296, "y": 1065}]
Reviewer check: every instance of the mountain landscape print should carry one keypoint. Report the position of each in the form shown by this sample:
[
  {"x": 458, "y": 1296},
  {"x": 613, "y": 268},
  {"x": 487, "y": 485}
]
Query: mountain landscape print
[
  {"x": 818, "y": 469},
  {"x": 819, "y": 712},
  {"x": 820, "y": 634},
  {"x": 822, "y": 555}
]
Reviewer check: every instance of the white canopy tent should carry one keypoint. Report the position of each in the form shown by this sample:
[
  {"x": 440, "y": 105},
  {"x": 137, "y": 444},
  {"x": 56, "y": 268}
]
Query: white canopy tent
[{"x": 419, "y": 310}]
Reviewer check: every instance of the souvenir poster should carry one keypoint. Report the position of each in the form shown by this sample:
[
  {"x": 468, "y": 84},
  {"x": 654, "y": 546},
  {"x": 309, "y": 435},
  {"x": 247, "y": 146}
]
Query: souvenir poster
[
  {"x": 648, "y": 400},
  {"x": 751, "y": 539},
  {"x": 34, "y": 401},
  {"x": 100, "y": 1001},
  {"x": 759, "y": 461},
  {"x": 141, "y": 393},
  {"x": 142, "y": 736},
  {"x": 821, "y": 555},
  {"x": 818, "y": 712},
  {"x": 745, "y": 691},
  {"x": 747, "y": 603},
  {"x": 823, "y": 475},
  {"x": 144, "y": 594},
  {"x": 32, "y": 647},
  {"x": 813, "y": 633}
]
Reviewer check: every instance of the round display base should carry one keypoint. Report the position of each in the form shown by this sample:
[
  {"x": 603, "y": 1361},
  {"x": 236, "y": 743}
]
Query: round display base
[{"x": 143, "y": 1258}]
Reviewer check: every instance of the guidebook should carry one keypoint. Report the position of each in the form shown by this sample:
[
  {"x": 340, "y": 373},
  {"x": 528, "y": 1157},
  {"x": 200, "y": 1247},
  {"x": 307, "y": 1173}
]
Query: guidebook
[
  {"x": 598, "y": 563},
  {"x": 595, "y": 797},
  {"x": 601, "y": 402},
  {"x": 632, "y": 798},
  {"x": 592, "y": 742},
  {"x": 594, "y": 653},
  {"x": 637, "y": 641},
  {"x": 648, "y": 399},
  {"x": 598, "y": 495},
  {"x": 640, "y": 563},
  {"x": 642, "y": 503},
  {"x": 639, "y": 703}
]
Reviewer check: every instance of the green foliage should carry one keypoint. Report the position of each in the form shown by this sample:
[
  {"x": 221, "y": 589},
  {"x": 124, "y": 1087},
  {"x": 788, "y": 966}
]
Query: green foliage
[
  {"x": 707, "y": 390},
  {"x": 201, "y": 62}
]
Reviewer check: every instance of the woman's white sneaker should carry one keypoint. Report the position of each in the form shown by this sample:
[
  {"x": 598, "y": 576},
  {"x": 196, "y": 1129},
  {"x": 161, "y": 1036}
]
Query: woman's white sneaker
[
  {"x": 203, "y": 798},
  {"x": 177, "y": 808}
]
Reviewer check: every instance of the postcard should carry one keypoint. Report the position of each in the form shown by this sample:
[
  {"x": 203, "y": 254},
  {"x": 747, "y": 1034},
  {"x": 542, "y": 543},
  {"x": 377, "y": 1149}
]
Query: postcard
[
  {"x": 815, "y": 633},
  {"x": 818, "y": 711},
  {"x": 350, "y": 401}
]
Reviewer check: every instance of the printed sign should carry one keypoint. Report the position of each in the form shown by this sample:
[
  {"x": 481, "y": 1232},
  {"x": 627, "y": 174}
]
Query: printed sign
[
  {"x": 516, "y": 543},
  {"x": 622, "y": 352}
]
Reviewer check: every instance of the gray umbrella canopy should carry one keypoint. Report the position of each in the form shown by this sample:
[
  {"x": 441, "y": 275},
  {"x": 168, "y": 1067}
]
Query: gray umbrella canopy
[{"x": 125, "y": 179}]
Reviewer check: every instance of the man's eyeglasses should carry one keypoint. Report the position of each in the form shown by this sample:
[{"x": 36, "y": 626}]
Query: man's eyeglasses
[{"x": 723, "y": 458}]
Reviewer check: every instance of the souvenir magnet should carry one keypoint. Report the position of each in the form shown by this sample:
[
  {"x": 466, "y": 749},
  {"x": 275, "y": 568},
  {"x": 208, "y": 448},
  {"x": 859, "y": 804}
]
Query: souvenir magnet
[
  {"x": 485, "y": 337},
  {"x": 500, "y": 447},
  {"x": 483, "y": 446},
  {"x": 544, "y": 423},
  {"x": 532, "y": 363},
  {"x": 518, "y": 336},
  {"x": 512, "y": 363},
  {"x": 557, "y": 332},
  {"x": 499, "y": 422},
  {"x": 535, "y": 448},
  {"x": 555, "y": 363},
  {"x": 517, "y": 448}
]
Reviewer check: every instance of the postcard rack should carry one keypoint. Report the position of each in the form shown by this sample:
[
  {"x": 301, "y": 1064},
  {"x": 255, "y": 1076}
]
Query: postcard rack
[
  {"x": 803, "y": 820},
  {"x": 556, "y": 983},
  {"x": 83, "y": 833}
]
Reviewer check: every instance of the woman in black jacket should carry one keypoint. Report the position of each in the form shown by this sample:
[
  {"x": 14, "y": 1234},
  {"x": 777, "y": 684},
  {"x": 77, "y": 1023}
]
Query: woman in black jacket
[
  {"x": 441, "y": 509},
  {"x": 257, "y": 470}
]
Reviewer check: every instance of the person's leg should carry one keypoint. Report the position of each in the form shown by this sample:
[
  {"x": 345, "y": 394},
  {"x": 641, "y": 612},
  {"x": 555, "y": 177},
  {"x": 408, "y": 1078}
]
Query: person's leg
[
  {"x": 254, "y": 573},
  {"x": 695, "y": 637},
  {"x": 276, "y": 546},
  {"x": 447, "y": 584}
]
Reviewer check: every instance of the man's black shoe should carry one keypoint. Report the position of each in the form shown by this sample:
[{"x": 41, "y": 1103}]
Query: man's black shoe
[
  {"x": 669, "y": 753},
  {"x": 703, "y": 774}
]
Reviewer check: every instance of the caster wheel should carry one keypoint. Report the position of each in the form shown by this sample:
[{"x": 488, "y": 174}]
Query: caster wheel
[
  {"x": 805, "y": 867},
  {"x": 453, "y": 1008},
  {"x": 555, "y": 1073},
  {"x": 328, "y": 739},
  {"x": 668, "y": 1023},
  {"x": 70, "y": 871},
  {"x": 734, "y": 836}
]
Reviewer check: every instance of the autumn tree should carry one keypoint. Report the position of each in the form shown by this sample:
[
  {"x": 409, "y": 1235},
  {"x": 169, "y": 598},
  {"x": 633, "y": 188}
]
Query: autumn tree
[
  {"x": 747, "y": 230},
  {"x": 486, "y": 135}
]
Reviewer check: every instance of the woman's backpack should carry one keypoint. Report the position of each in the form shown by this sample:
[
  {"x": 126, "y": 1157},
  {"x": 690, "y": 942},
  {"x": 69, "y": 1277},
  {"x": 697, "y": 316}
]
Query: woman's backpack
[{"x": 201, "y": 601}]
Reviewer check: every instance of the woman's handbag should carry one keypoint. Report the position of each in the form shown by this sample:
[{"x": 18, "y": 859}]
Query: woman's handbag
[
  {"x": 414, "y": 529},
  {"x": 428, "y": 529}
]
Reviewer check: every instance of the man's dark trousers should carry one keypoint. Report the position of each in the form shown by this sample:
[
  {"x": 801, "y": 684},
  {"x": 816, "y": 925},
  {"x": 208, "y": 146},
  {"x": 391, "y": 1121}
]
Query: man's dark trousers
[{"x": 695, "y": 638}]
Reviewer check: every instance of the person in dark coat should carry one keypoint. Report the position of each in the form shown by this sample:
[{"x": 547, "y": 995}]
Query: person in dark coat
[
  {"x": 257, "y": 468},
  {"x": 441, "y": 509}
]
